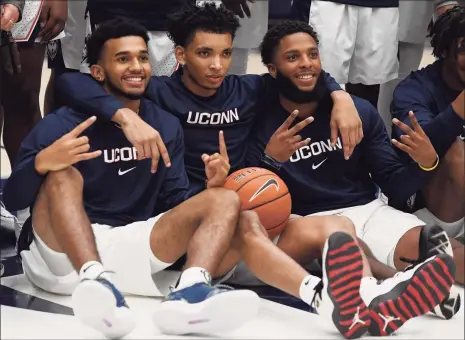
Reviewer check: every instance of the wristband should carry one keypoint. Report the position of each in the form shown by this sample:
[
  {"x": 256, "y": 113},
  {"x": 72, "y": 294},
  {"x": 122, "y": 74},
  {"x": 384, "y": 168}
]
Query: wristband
[
  {"x": 270, "y": 162},
  {"x": 433, "y": 167}
]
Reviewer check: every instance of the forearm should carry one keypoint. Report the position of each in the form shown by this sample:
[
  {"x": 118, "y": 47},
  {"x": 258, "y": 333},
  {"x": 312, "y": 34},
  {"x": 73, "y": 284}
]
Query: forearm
[{"x": 23, "y": 186}]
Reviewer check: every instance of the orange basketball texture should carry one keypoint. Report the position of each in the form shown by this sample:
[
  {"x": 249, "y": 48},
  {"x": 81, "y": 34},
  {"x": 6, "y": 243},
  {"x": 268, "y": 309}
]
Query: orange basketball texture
[{"x": 265, "y": 193}]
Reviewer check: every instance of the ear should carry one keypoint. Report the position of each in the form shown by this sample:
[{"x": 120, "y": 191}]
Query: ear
[
  {"x": 271, "y": 70},
  {"x": 180, "y": 55},
  {"x": 97, "y": 72}
]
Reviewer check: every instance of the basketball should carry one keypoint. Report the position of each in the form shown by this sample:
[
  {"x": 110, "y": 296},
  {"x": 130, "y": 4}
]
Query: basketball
[{"x": 265, "y": 193}]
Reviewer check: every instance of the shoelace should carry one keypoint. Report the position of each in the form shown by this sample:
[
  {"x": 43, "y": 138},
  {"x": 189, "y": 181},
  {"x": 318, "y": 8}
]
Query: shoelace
[{"x": 218, "y": 286}]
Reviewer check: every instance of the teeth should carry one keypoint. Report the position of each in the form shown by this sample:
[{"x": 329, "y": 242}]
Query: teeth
[
  {"x": 135, "y": 79},
  {"x": 306, "y": 77}
]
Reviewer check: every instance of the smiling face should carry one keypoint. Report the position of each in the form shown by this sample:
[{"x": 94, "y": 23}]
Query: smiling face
[
  {"x": 206, "y": 61},
  {"x": 297, "y": 58},
  {"x": 124, "y": 67}
]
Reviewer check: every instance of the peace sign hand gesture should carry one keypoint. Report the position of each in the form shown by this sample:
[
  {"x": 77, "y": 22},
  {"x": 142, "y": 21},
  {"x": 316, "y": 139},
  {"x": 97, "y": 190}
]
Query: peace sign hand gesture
[
  {"x": 217, "y": 165},
  {"x": 284, "y": 141},
  {"x": 66, "y": 151},
  {"x": 416, "y": 143}
]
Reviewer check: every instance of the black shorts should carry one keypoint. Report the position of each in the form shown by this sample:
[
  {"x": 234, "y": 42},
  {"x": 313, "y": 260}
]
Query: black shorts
[{"x": 55, "y": 58}]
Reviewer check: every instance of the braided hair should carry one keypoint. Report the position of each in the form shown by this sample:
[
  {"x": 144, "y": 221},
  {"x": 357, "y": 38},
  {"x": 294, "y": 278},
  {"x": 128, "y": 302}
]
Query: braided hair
[{"x": 446, "y": 32}]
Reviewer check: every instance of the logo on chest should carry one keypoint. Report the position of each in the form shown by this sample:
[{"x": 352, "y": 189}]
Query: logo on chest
[
  {"x": 216, "y": 118},
  {"x": 316, "y": 149},
  {"x": 125, "y": 154}
]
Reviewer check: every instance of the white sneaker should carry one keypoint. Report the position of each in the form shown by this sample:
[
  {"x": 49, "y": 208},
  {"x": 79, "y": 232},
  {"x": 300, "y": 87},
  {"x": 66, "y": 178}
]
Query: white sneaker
[
  {"x": 8, "y": 220},
  {"x": 100, "y": 305},
  {"x": 411, "y": 293},
  {"x": 338, "y": 297}
]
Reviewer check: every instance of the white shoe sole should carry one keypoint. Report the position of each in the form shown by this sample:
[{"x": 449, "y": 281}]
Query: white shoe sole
[
  {"x": 95, "y": 305},
  {"x": 222, "y": 312}
]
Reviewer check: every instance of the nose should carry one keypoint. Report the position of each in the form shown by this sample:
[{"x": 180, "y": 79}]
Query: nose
[
  {"x": 136, "y": 65},
  {"x": 306, "y": 62},
  {"x": 216, "y": 63}
]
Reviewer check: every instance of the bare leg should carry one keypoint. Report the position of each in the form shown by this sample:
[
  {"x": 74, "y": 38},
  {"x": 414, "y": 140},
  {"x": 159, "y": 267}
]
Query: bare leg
[
  {"x": 459, "y": 257},
  {"x": 69, "y": 231},
  {"x": 21, "y": 98},
  {"x": 445, "y": 193},
  {"x": 202, "y": 226},
  {"x": 380, "y": 270}
]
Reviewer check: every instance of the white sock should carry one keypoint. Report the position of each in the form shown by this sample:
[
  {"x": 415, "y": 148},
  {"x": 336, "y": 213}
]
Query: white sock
[
  {"x": 92, "y": 270},
  {"x": 368, "y": 289},
  {"x": 307, "y": 288},
  {"x": 192, "y": 276}
]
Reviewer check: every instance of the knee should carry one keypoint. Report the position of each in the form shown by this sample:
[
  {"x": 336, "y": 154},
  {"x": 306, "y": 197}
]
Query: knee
[
  {"x": 334, "y": 224},
  {"x": 66, "y": 177},
  {"x": 250, "y": 225},
  {"x": 454, "y": 160}
]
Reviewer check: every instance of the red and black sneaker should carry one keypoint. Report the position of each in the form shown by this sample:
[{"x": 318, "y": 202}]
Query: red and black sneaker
[
  {"x": 411, "y": 293},
  {"x": 338, "y": 297}
]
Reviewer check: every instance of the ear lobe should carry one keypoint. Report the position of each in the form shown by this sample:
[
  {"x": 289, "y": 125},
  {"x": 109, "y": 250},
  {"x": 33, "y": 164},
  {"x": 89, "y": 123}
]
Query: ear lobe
[
  {"x": 271, "y": 70},
  {"x": 97, "y": 73},
  {"x": 180, "y": 55}
]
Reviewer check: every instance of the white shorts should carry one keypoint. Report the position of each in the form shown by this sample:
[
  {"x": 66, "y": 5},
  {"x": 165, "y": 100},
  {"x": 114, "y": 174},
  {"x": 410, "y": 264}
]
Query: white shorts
[
  {"x": 123, "y": 250},
  {"x": 379, "y": 226},
  {"x": 454, "y": 229},
  {"x": 357, "y": 44},
  {"x": 161, "y": 53}
]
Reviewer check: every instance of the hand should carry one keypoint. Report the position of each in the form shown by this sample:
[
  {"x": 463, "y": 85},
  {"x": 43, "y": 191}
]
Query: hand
[
  {"x": 53, "y": 18},
  {"x": 416, "y": 143},
  {"x": 217, "y": 166},
  {"x": 66, "y": 151},
  {"x": 143, "y": 137},
  {"x": 284, "y": 141},
  {"x": 239, "y": 7},
  {"x": 346, "y": 120},
  {"x": 10, "y": 16}
]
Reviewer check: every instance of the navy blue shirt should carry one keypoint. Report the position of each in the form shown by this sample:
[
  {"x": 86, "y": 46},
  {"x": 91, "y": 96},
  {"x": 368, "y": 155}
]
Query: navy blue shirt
[
  {"x": 149, "y": 13},
  {"x": 320, "y": 179},
  {"x": 231, "y": 109},
  {"x": 426, "y": 94},
  {"x": 118, "y": 189},
  {"x": 368, "y": 3}
]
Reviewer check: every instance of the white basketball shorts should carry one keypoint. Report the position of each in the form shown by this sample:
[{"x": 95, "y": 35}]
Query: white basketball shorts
[
  {"x": 357, "y": 44},
  {"x": 123, "y": 250}
]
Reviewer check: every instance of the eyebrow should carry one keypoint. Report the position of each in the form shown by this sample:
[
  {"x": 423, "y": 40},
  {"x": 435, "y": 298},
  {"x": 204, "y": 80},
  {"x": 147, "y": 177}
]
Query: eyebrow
[
  {"x": 297, "y": 51},
  {"x": 127, "y": 52}
]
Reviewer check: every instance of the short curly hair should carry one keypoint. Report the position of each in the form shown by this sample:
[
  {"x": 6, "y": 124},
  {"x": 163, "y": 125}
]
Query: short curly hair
[
  {"x": 447, "y": 30},
  {"x": 208, "y": 17},
  {"x": 280, "y": 30},
  {"x": 111, "y": 29}
]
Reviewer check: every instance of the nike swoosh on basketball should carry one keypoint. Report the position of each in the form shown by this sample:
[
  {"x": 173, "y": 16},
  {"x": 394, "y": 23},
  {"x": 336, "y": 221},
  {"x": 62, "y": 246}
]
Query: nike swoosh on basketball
[
  {"x": 122, "y": 172},
  {"x": 314, "y": 167},
  {"x": 269, "y": 183}
]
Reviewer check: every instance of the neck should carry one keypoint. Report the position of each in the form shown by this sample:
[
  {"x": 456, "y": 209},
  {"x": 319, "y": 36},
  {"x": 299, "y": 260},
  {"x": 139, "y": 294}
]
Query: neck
[
  {"x": 305, "y": 109},
  {"x": 133, "y": 105},
  {"x": 195, "y": 88},
  {"x": 451, "y": 81}
]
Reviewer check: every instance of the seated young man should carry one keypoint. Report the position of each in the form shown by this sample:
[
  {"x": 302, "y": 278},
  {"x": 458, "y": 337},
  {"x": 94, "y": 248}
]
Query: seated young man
[
  {"x": 436, "y": 94},
  {"x": 320, "y": 181},
  {"x": 98, "y": 210},
  {"x": 201, "y": 95}
]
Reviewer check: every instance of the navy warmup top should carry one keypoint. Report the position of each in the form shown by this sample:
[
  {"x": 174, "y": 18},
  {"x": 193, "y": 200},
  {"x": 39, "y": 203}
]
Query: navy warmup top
[
  {"x": 426, "y": 94},
  {"x": 368, "y": 3},
  {"x": 231, "y": 109},
  {"x": 149, "y": 13},
  {"x": 320, "y": 179},
  {"x": 118, "y": 189}
]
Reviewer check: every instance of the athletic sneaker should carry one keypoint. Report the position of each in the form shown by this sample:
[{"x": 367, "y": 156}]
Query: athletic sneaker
[
  {"x": 7, "y": 220},
  {"x": 205, "y": 309},
  {"x": 411, "y": 293},
  {"x": 434, "y": 241},
  {"x": 100, "y": 305},
  {"x": 338, "y": 297}
]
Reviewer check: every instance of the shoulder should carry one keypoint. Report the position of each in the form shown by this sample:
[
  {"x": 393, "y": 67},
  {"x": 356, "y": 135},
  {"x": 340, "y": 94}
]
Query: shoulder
[
  {"x": 420, "y": 82},
  {"x": 367, "y": 112},
  {"x": 167, "y": 124}
]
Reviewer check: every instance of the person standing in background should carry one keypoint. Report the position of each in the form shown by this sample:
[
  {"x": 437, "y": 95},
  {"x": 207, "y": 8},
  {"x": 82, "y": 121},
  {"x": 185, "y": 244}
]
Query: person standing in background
[
  {"x": 414, "y": 18},
  {"x": 358, "y": 42}
]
